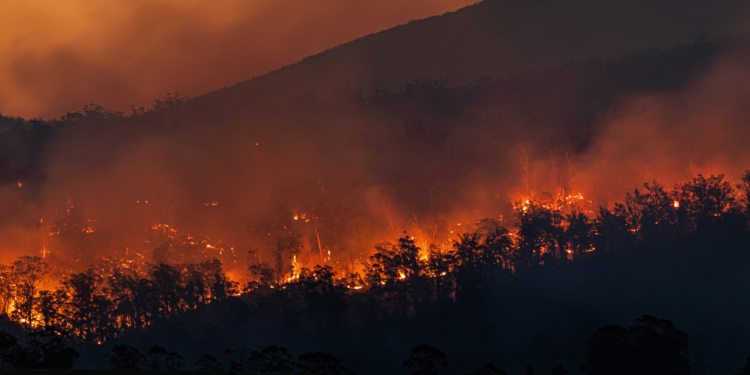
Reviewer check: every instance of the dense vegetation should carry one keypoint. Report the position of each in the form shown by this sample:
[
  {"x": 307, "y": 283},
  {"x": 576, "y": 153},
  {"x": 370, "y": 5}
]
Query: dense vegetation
[{"x": 94, "y": 307}]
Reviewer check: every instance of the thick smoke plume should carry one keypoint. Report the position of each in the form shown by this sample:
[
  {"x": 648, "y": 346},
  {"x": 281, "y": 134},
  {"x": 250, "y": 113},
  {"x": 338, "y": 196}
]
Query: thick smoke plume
[{"x": 673, "y": 136}]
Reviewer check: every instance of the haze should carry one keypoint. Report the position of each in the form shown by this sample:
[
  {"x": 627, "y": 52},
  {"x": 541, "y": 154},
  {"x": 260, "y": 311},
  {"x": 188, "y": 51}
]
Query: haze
[{"x": 58, "y": 56}]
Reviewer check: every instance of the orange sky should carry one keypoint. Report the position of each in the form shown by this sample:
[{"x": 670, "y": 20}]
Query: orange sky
[{"x": 60, "y": 55}]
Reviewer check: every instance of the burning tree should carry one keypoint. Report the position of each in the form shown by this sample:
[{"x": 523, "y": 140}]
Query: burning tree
[{"x": 26, "y": 274}]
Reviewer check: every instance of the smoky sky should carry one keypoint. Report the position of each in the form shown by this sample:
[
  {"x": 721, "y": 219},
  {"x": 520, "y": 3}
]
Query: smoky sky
[
  {"x": 382, "y": 173},
  {"x": 58, "y": 56}
]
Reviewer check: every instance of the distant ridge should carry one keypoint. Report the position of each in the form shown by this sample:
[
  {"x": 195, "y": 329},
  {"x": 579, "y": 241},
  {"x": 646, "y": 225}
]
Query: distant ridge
[{"x": 494, "y": 38}]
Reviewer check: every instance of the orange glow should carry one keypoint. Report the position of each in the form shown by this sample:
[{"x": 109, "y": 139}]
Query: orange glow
[{"x": 56, "y": 54}]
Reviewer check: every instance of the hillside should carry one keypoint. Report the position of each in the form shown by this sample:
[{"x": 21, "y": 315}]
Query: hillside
[{"x": 494, "y": 38}]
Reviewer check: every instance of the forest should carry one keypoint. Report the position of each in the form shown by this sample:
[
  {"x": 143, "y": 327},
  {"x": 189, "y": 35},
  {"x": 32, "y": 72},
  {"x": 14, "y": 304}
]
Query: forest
[
  {"x": 703, "y": 218},
  {"x": 434, "y": 229}
]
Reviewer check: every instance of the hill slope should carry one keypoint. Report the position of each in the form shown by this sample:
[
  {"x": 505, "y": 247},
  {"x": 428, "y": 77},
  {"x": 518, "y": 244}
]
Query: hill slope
[{"x": 495, "y": 38}]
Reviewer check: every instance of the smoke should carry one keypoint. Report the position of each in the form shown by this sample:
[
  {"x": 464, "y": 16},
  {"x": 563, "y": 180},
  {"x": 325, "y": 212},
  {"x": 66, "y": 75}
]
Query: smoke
[
  {"x": 59, "y": 56},
  {"x": 235, "y": 175},
  {"x": 671, "y": 137}
]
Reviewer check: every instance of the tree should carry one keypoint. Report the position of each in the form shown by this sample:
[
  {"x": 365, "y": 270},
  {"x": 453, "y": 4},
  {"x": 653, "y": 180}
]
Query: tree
[
  {"x": 237, "y": 363},
  {"x": 396, "y": 271},
  {"x": 128, "y": 292},
  {"x": 207, "y": 362},
  {"x": 529, "y": 370},
  {"x": 52, "y": 309},
  {"x": 649, "y": 346},
  {"x": 559, "y": 369},
  {"x": 27, "y": 272},
  {"x": 426, "y": 360},
  {"x": 7, "y": 287},
  {"x": 217, "y": 283},
  {"x": 275, "y": 359},
  {"x": 89, "y": 308},
  {"x": 578, "y": 234},
  {"x": 707, "y": 199},
  {"x": 47, "y": 350},
  {"x": 287, "y": 245},
  {"x": 323, "y": 298},
  {"x": 539, "y": 233},
  {"x": 745, "y": 187},
  {"x": 156, "y": 356},
  {"x": 167, "y": 284},
  {"x": 322, "y": 364},
  {"x": 261, "y": 271},
  {"x": 440, "y": 265},
  {"x": 173, "y": 361},
  {"x": 125, "y": 357},
  {"x": 487, "y": 369}
]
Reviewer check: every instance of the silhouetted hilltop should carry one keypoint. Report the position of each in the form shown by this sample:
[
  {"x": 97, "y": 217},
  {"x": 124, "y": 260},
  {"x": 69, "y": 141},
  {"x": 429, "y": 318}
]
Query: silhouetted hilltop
[{"x": 495, "y": 39}]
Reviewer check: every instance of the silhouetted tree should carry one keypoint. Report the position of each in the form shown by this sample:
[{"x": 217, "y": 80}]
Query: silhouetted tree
[
  {"x": 426, "y": 360},
  {"x": 559, "y": 369},
  {"x": 7, "y": 287},
  {"x": 440, "y": 265},
  {"x": 237, "y": 359},
  {"x": 615, "y": 233},
  {"x": 270, "y": 359},
  {"x": 262, "y": 272},
  {"x": 744, "y": 186},
  {"x": 125, "y": 357},
  {"x": 320, "y": 294},
  {"x": 156, "y": 356},
  {"x": 89, "y": 309},
  {"x": 208, "y": 362},
  {"x": 173, "y": 361},
  {"x": 539, "y": 233},
  {"x": 395, "y": 272},
  {"x": 649, "y": 346},
  {"x": 287, "y": 246},
  {"x": 217, "y": 283},
  {"x": 578, "y": 234},
  {"x": 487, "y": 369},
  {"x": 46, "y": 349},
  {"x": 167, "y": 283},
  {"x": 27, "y": 272},
  {"x": 52, "y": 308},
  {"x": 707, "y": 200},
  {"x": 529, "y": 370},
  {"x": 321, "y": 363}
]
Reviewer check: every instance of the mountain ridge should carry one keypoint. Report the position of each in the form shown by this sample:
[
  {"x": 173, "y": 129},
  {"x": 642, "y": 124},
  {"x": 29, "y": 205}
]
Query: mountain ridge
[{"x": 477, "y": 40}]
